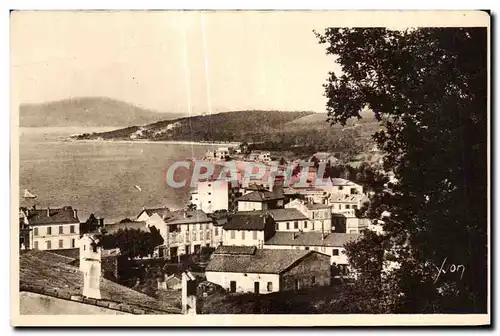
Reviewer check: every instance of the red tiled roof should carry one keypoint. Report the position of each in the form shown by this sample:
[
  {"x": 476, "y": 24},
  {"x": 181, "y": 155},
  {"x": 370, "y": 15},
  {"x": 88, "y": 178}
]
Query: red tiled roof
[
  {"x": 287, "y": 214},
  {"x": 64, "y": 215},
  {"x": 334, "y": 239},
  {"x": 247, "y": 220},
  {"x": 262, "y": 261},
  {"x": 261, "y": 196},
  {"x": 51, "y": 274}
]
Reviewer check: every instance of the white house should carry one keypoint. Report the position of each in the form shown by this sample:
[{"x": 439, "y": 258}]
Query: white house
[
  {"x": 52, "y": 229},
  {"x": 325, "y": 157},
  {"x": 346, "y": 187},
  {"x": 261, "y": 156},
  {"x": 331, "y": 243},
  {"x": 346, "y": 204},
  {"x": 290, "y": 220},
  {"x": 260, "y": 200},
  {"x": 248, "y": 228},
  {"x": 318, "y": 215},
  {"x": 263, "y": 271},
  {"x": 213, "y": 195},
  {"x": 183, "y": 232},
  {"x": 310, "y": 194}
]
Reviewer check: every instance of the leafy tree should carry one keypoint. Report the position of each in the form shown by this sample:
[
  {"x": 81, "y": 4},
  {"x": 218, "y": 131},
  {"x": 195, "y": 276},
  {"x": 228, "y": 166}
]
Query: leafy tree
[
  {"x": 428, "y": 89},
  {"x": 90, "y": 225},
  {"x": 132, "y": 242}
]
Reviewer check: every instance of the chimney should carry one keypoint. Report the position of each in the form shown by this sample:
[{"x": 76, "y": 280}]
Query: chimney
[
  {"x": 48, "y": 212},
  {"x": 185, "y": 214},
  {"x": 188, "y": 298},
  {"x": 75, "y": 213},
  {"x": 101, "y": 222},
  {"x": 90, "y": 265}
]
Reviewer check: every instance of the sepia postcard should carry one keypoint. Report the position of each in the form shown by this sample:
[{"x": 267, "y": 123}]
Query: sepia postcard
[{"x": 250, "y": 168}]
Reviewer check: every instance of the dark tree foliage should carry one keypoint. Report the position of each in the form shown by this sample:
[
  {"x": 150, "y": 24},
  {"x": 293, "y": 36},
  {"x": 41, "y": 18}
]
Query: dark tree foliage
[
  {"x": 90, "y": 225},
  {"x": 428, "y": 88},
  {"x": 132, "y": 242}
]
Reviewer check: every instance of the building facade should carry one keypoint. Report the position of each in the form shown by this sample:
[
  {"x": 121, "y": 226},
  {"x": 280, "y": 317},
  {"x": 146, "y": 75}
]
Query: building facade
[
  {"x": 214, "y": 195},
  {"x": 261, "y": 271},
  {"x": 319, "y": 215},
  {"x": 251, "y": 228},
  {"x": 331, "y": 244},
  {"x": 52, "y": 229}
]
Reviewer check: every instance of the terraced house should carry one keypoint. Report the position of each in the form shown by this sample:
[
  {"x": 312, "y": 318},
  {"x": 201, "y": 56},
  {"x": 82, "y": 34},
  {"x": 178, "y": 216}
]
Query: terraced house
[
  {"x": 183, "y": 232},
  {"x": 249, "y": 269},
  {"x": 51, "y": 229}
]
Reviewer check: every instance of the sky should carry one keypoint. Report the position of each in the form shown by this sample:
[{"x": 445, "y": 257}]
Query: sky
[{"x": 181, "y": 62}]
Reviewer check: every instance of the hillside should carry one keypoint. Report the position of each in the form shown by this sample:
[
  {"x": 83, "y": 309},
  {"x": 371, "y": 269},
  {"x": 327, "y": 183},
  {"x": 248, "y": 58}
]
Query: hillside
[
  {"x": 267, "y": 130},
  {"x": 87, "y": 112},
  {"x": 228, "y": 126}
]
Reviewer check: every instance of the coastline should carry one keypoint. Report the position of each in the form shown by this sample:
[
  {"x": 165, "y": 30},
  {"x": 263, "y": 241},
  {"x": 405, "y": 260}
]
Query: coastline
[{"x": 171, "y": 142}]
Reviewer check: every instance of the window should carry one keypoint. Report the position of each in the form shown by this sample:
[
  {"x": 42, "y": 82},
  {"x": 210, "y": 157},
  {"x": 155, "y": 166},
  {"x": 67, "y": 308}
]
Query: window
[
  {"x": 36, "y": 245},
  {"x": 305, "y": 224},
  {"x": 49, "y": 230},
  {"x": 340, "y": 187},
  {"x": 233, "y": 235},
  {"x": 347, "y": 206},
  {"x": 216, "y": 231},
  {"x": 48, "y": 244},
  {"x": 35, "y": 231},
  {"x": 242, "y": 235},
  {"x": 60, "y": 243},
  {"x": 72, "y": 229},
  {"x": 306, "y": 248},
  {"x": 269, "y": 286},
  {"x": 209, "y": 202},
  {"x": 254, "y": 235},
  {"x": 61, "y": 231},
  {"x": 232, "y": 286},
  {"x": 209, "y": 193},
  {"x": 73, "y": 242},
  {"x": 209, "y": 185},
  {"x": 313, "y": 280},
  {"x": 335, "y": 252},
  {"x": 296, "y": 225},
  {"x": 287, "y": 226},
  {"x": 207, "y": 235},
  {"x": 354, "y": 206}
]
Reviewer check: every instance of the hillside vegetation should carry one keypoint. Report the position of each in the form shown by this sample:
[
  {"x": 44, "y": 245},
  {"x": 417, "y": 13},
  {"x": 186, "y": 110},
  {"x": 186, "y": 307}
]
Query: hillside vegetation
[
  {"x": 304, "y": 132},
  {"x": 87, "y": 112}
]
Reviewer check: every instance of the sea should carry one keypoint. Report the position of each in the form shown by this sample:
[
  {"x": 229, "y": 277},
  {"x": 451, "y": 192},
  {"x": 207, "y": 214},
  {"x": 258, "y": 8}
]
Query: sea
[{"x": 110, "y": 179}]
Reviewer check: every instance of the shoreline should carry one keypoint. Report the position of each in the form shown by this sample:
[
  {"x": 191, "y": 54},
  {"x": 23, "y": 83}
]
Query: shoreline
[{"x": 171, "y": 142}]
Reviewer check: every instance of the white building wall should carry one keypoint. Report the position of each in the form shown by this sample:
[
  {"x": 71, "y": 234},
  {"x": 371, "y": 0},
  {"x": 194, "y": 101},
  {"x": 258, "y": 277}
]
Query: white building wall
[
  {"x": 143, "y": 217},
  {"x": 213, "y": 195},
  {"x": 251, "y": 206},
  {"x": 243, "y": 238},
  {"x": 40, "y": 236},
  {"x": 302, "y": 225},
  {"x": 245, "y": 282}
]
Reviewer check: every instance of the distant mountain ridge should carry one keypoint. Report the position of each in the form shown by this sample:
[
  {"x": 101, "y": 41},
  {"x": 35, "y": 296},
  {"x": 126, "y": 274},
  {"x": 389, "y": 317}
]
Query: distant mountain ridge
[{"x": 88, "y": 112}]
